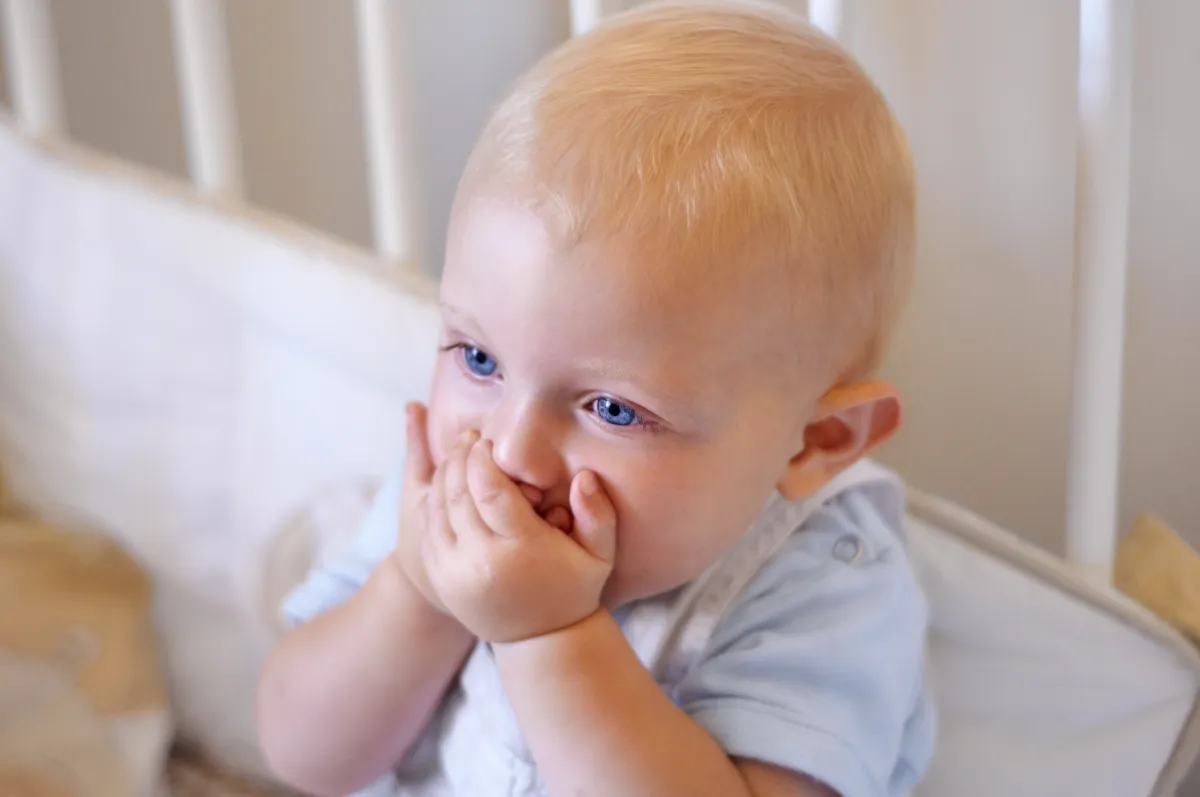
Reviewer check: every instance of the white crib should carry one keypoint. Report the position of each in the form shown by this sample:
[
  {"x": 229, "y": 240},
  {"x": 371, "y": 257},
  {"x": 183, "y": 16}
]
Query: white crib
[{"x": 219, "y": 388}]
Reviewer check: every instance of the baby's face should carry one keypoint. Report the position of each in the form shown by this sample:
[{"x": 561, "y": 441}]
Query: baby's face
[{"x": 658, "y": 382}]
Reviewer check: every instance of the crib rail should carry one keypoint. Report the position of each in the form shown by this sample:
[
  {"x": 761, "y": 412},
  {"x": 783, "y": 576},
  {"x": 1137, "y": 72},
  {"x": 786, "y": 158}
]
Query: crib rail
[
  {"x": 826, "y": 15},
  {"x": 206, "y": 92},
  {"x": 206, "y": 84},
  {"x": 32, "y": 66},
  {"x": 384, "y": 83},
  {"x": 1101, "y": 257},
  {"x": 584, "y": 15}
]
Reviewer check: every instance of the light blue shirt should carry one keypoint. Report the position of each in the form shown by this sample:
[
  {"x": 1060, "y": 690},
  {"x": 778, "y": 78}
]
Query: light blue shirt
[{"x": 818, "y": 667}]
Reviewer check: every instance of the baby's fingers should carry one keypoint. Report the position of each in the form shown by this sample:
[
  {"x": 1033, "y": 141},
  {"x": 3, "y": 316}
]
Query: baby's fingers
[
  {"x": 500, "y": 503},
  {"x": 460, "y": 506},
  {"x": 440, "y": 530},
  {"x": 595, "y": 517}
]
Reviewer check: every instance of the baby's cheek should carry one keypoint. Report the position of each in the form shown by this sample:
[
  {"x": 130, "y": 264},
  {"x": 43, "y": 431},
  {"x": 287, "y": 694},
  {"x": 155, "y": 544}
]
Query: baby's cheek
[
  {"x": 444, "y": 427},
  {"x": 441, "y": 442},
  {"x": 626, "y": 513},
  {"x": 660, "y": 541}
]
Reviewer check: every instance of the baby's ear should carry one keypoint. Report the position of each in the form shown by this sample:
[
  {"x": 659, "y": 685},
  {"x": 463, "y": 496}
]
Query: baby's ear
[{"x": 849, "y": 423}]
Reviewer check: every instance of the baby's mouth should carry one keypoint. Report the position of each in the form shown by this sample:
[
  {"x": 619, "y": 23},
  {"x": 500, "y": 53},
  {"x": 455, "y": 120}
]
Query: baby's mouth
[{"x": 557, "y": 516}]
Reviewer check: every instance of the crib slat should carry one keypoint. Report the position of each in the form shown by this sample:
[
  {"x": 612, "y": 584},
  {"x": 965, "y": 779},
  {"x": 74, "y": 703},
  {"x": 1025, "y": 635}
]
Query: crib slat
[
  {"x": 384, "y": 85},
  {"x": 826, "y": 15},
  {"x": 1102, "y": 231},
  {"x": 32, "y": 66},
  {"x": 206, "y": 96},
  {"x": 584, "y": 15}
]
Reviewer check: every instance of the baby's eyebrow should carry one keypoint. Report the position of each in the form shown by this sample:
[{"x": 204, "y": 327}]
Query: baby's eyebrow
[
  {"x": 459, "y": 318},
  {"x": 450, "y": 309},
  {"x": 615, "y": 372}
]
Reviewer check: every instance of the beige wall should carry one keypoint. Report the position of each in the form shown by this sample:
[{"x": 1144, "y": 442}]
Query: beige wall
[
  {"x": 297, "y": 93},
  {"x": 299, "y": 111},
  {"x": 984, "y": 354},
  {"x": 118, "y": 78},
  {"x": 987, "y": 92},
  {"x": 1162, "y": 430}
]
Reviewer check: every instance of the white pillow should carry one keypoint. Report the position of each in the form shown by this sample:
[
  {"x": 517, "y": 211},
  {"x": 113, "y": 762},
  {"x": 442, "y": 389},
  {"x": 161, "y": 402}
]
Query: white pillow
[
  {"x": 190, "y": 378},
  {"x": 1047, "y": 686}
]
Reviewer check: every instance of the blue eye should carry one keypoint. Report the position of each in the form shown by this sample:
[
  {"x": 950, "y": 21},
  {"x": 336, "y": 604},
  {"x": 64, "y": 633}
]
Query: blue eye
[
  {"x": 614, "y": 412},
  {"x": 478, "y": 361}
]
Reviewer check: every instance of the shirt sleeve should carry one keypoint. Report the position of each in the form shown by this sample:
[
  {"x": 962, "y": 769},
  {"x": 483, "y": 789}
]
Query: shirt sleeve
[
  {"x": 819, "y": 666},
  {"x": 327, "y": 586}
]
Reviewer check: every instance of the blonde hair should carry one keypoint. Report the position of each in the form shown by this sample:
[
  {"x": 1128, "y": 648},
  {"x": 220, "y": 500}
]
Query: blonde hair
[{"x": 712, "y": 134}]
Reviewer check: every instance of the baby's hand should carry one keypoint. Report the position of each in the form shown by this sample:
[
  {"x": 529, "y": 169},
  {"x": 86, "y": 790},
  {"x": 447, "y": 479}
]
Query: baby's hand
[
  {"x": 504, "y": 572},
  {"x": 415, "y": 503}
]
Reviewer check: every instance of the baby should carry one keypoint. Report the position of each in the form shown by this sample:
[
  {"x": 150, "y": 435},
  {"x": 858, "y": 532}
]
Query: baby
[{"x": 636, "y": 547}]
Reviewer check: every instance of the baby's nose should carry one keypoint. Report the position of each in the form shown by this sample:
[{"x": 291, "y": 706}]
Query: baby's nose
[{"x": 526, "y": 444}]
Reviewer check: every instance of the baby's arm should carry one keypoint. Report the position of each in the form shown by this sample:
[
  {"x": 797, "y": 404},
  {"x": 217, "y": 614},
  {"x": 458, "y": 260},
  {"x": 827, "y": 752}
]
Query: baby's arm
[
  {"x": 818, "y": 667},
  {"x": 343, "y": 697},
  {"x": 597, "y": 723}
]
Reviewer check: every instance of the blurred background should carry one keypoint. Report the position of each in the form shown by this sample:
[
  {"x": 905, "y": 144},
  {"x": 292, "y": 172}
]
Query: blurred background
[{"x": 987, "y": 93}]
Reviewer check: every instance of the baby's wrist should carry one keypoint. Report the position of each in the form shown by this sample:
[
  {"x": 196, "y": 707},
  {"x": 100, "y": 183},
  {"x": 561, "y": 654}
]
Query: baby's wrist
[
  {"x": 413, "y": 600},
  {"x": 562, "y": 635}
]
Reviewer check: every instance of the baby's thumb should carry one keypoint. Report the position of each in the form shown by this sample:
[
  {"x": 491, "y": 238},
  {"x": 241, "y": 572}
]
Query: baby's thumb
[
  {"x": 418, "y": 463},
  {"x": 595, "y": 517}
]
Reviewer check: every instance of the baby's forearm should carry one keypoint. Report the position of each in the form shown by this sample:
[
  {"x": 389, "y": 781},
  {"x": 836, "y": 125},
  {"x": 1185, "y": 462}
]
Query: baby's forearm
[
  {"x": 343, "y": 697},
  {"x": 598, "y": 724}
]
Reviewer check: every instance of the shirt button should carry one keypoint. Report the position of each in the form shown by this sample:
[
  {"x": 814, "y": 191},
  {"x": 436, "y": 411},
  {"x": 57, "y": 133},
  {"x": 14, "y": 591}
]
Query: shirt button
[{"x": 847, "y": 549}]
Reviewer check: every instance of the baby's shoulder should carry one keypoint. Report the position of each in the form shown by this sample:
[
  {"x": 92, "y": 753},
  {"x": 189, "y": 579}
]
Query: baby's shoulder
[
  {"x": 850, "y": 554},
  {"x": 843, "y": 574},
  {"x": 859, "y": 529},
  {"x": 818, "y": 664}
]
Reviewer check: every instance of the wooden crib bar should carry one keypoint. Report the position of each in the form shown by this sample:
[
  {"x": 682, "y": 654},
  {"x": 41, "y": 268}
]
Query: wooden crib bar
[
  {"x": 584, "y": 15},
  {"x": 384, "y": 85},
  {"x": 1101, "y": 257},
  {"x": 826, "y": 15},
  {"x": 31, "y": 60},
  {"x": 206, "y": 96}
]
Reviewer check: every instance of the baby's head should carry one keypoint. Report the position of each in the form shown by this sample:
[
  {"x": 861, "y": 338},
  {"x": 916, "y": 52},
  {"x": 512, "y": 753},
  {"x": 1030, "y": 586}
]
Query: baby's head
[{"x": 674, "y": 259}]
